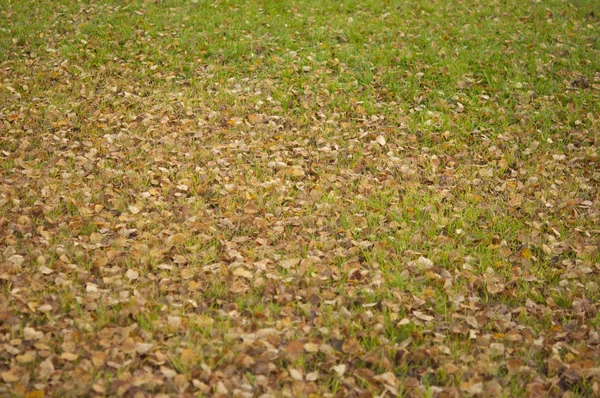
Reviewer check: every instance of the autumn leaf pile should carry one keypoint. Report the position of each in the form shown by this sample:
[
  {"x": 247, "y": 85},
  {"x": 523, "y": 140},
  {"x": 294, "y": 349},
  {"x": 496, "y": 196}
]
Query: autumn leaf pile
[{"x": 299, "y": 198}]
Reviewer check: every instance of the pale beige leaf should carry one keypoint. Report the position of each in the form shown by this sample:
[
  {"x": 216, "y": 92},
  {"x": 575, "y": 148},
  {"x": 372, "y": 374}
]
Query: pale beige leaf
[
  {"x": 132, "y": 274},
  {"x": 9, "y": 377},
  {"x": 32, "y": 334},
  {"x": 174, "y": 321},
  {"x": 167, "y": 372},
  {"x": 243, "y": 273},
  {"x": 143, "y": 348},
  {"x": 296, "y": 374},
  {"x": 45, "y": 369},
  {"x": 69, "y": 356},
  {"x": 340, "y": 369}
]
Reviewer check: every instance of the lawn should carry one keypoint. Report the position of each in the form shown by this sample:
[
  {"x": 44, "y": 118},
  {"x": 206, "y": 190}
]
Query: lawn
[{"x": 300, "y": 198}]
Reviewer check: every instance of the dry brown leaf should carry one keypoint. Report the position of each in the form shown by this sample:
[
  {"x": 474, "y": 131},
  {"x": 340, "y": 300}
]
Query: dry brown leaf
[
  {"x": 295, "y": 347},
  {"x": 351, "y": 346},
  {"x": 99, "y": 359},
  {"x": 189, "y": 357}
]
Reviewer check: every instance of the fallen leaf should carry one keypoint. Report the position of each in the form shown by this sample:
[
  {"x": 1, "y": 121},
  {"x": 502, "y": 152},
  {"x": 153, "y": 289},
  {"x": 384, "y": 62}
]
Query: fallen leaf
[
  {"x": 189, "y": 357},
  {"x": 168, "y": 373},
  {"x": 28, "y": 357},
  {"x": 495, "y": 287},
  {"x": 91, "y": 288},
  {"x": 312, "y": 376},
  {"x": 289, "y": 263},
  {"x": 497, "y": 349},
  {"x": 143, "y": 348},
  {"x": 243, "y": 273},
  {"x": 69, "y": 356},
  {"x": 387, "y": 378},
  {"x": 35, "y": 394},
  {"x": 46, "y": 369},
  {"x": 99, "y": 359},
  {"x": 16, "y": 260},
  {"x": 340, "y": 369},
  {"x": 32, "y": 334},
  {"x": 351, "y": 346},
  {"x": 10, "y": 377},
  {"x": 296, "y": 374},
  {"x": 174, "y": 321},
  {"x": 472, "y": 388},
  {"x": 45, "y": 270},
  {"x": 132, "y": 274},
  {"x": 295, "y": 347},
  {"x": 311, "y": 347}
]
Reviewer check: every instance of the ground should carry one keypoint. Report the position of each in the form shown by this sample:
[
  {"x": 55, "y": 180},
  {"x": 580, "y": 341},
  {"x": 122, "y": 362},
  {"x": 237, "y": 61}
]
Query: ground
[{"x": 295, "y": 198}]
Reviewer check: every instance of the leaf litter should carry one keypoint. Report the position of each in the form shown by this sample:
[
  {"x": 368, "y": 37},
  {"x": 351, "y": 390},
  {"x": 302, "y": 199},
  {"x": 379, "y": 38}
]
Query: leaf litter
[{"x": 287, "y": 201}]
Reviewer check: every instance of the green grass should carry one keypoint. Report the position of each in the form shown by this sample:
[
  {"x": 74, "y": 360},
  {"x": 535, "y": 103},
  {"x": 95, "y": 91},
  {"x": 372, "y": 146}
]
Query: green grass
[{"x": 230, "y": 152}]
